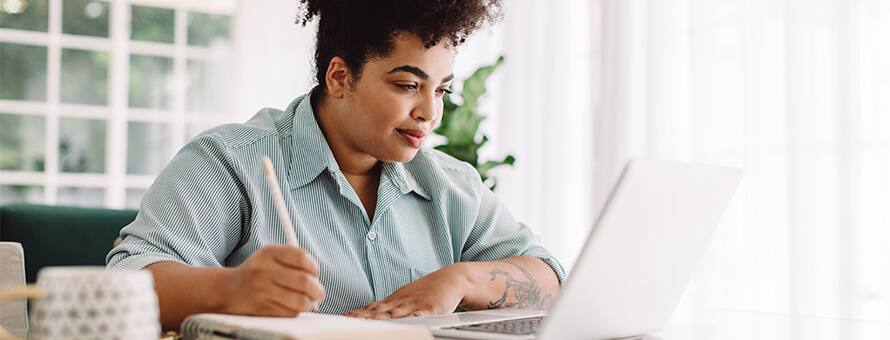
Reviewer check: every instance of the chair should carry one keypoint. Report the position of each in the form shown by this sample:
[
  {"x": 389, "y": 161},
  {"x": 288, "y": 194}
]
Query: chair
[
  {"x": 61, "y": 236},
  {"x": 13, "y": 314}
]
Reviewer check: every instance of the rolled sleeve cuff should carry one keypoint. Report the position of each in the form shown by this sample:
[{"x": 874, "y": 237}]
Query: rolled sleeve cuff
[
  {"x": 124, "y": 261},
  {"x": 551, "y": 261}
]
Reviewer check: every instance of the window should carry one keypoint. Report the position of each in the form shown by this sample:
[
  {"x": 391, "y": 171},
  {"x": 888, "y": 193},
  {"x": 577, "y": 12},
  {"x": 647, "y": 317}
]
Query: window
[{"x": 96, "y": 96}]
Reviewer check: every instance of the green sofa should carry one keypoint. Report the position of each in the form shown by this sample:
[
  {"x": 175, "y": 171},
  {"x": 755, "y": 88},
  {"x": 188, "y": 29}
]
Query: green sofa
[{"x": 61, "y": 236}]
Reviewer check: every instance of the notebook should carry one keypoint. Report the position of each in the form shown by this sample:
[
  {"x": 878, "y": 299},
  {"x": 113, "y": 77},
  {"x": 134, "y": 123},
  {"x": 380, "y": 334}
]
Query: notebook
[{"x": 306, "y": 326}]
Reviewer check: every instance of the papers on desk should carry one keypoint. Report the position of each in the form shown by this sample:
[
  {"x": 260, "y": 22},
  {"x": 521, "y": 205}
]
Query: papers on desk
[{"x": 307, "y": 326}]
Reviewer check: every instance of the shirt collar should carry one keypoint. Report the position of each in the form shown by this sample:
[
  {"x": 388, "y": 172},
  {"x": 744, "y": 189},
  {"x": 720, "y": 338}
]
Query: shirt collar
[
  {"x": 404, "y": 179},
  {"x": 311, "y": 153}
]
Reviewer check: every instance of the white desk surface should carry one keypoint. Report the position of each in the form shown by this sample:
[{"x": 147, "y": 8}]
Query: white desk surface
[
  {"x": 732, "y": 325},
  {"x": 746, "y": 325}
]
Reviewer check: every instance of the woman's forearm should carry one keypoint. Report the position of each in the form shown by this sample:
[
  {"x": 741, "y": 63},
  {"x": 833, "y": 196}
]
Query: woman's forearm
[
  {"x": 516, "y": 282},
  {"x": 183, "y": 290}
]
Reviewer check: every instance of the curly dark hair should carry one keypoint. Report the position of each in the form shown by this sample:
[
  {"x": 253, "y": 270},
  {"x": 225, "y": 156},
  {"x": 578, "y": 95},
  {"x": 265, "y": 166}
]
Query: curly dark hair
[{"x": 358, "y": 30}]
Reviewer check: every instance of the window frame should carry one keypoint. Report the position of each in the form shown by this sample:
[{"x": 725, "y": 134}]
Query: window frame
[{"x": 115, "y": 181}]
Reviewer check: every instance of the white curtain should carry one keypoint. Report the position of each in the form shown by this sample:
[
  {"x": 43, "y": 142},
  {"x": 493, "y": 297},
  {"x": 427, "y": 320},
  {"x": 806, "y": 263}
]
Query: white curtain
[
  {"x": 539, "y": 109},
  {"x": 795, "y": 92}
]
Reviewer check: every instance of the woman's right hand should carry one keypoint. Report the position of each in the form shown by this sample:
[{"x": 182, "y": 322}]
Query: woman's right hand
[{"x": 277, "y": 280}]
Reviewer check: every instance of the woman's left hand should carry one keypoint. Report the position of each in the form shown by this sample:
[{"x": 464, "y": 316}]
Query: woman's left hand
[{"x": 440, "y": 292}]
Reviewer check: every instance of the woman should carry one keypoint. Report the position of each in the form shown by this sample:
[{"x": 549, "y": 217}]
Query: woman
[{"x": 386, "y": 227}]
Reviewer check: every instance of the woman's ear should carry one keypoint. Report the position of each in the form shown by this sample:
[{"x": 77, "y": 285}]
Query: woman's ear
[{"x": 337, "y": 78}]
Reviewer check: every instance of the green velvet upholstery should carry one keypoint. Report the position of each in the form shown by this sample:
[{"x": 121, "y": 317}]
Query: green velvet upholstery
[{"x": 61, "y": 236}]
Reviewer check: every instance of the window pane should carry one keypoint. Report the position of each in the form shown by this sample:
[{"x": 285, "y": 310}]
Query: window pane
[
  {"x": 85, "y": 17},
  {"x": 208, "y": 86},
  {"x": 21, "y": 142},
  {"x": 22, "y": 72},
  {"x": 84, "y": 77},
  {"x": 152, "y": 24},
  {"x": 147, "y": 147},
  {"x": 81, "y": 145},
  {"x": 134, "y": 198},
  {"x": 24, "y": 14},
  {"x": 84, "y": 197},
  {"x": 20, "y": 194},
  {"x": 206, "y": 29},
  {"x": 194, "y": 129},
  {"x": 151, "y": 79}
]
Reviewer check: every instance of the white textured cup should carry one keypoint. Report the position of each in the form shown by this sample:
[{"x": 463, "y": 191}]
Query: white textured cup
[{"x": 95, "y": 303}]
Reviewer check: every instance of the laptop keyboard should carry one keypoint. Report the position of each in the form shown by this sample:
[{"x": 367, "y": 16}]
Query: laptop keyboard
[{"x": 524, "y": 326}]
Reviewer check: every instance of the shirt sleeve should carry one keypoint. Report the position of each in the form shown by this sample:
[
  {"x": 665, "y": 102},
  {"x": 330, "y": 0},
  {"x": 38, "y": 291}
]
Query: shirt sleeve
[
  {"x": 193, "y": 213},
  {"x": 497, "y": 235}
]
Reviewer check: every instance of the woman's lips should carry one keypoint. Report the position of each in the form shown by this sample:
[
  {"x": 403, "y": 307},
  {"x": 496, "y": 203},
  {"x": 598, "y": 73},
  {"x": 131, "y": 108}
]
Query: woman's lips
[{"x": 412, "y": 137}]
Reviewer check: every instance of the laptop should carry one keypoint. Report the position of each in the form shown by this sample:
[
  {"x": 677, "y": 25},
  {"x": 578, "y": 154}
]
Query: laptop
[{"x": 634, "y": 266}]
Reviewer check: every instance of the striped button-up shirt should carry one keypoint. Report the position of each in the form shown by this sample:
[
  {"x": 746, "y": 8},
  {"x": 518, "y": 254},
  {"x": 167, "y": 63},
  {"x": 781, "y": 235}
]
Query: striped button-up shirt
[{"x": 212, "y": 207}]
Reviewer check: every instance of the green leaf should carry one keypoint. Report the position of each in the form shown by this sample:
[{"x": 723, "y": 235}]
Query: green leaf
[
  {"x": 467, "y": 152},
  {"x": 488, "y": 165},
  {"x": 492, "y": 183},
  {"x": 460, "y": 125},
  {"x": 474, "y": 86},
  {"x": 448, "y": 107},
  {"x": 449, "y": 104}
]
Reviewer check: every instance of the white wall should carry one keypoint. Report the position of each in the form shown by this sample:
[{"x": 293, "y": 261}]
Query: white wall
[{"x": 273, "y": 55}]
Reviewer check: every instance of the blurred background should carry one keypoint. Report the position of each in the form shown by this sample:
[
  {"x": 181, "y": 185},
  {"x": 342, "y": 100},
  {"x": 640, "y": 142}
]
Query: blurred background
[{"x": 96, "y": 96}]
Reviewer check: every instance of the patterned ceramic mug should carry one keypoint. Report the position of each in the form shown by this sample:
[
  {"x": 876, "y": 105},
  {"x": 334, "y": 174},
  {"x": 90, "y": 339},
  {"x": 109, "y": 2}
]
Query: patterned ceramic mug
[{"x": 95, "y": 303}]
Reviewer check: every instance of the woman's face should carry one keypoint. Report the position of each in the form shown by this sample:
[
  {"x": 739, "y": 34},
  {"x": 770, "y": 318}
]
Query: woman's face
[{"x": 397, "y": 101}]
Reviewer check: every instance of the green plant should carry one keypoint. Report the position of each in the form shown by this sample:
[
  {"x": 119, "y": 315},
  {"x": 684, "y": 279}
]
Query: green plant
[{"x": 460, "y": 125}]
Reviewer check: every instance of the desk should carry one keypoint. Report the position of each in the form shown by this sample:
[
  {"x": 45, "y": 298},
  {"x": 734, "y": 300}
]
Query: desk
[{"x": 744, "y": 325}]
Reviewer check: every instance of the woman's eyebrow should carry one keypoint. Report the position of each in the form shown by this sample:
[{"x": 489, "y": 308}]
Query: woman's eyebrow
[{"x": 417, "y": 72}]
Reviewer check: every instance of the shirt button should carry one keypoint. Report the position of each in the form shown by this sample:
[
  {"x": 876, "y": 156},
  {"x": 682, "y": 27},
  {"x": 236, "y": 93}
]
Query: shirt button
[{"x": 372, "y": 236}]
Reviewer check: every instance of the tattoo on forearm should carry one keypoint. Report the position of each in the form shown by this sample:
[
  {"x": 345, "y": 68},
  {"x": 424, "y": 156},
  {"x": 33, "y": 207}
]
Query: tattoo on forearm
[{"x": 526, "y": 293}]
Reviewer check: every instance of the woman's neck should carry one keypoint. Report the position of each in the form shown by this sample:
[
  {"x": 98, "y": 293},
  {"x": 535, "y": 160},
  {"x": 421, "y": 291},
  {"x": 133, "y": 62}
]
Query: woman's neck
[{"x": 352, "y": 161}]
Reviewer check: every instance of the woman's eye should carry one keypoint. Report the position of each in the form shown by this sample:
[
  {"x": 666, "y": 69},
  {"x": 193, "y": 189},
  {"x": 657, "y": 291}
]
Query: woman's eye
[
  {"x": 408, "y": 87},
  {"x": 442, "y": 92}
]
